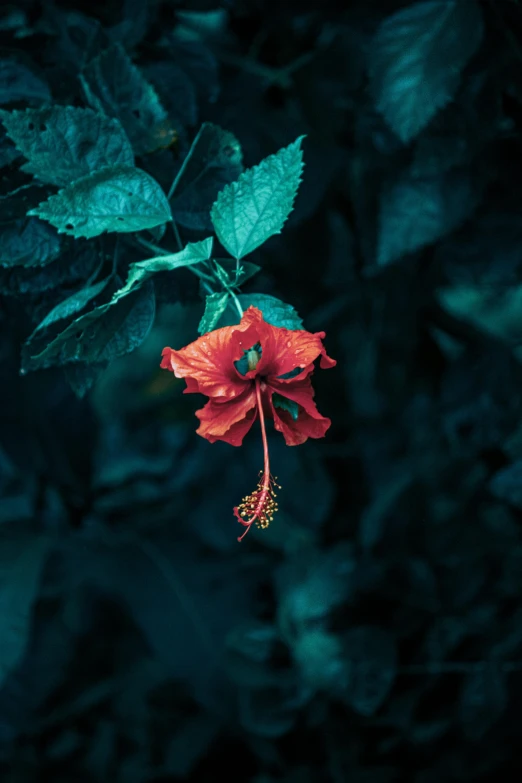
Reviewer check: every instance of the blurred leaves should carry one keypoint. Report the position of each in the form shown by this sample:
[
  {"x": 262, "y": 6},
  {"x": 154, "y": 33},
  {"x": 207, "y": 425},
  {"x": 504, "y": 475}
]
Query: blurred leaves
[
  {"x": 19, "y": 82},
  {"x": 113, "y": 85},
  {"x": 372, "y": 667},
  {"x": 21, "y": 565},
  {"x": 416, "y": 59},
  {"x": 64, "y": 143},
  {"x": 482, "y": 701},
  {"x": 415, "y": 212},
  {"x": 506, "y": 484},
  {"x": 28, "y": 243},
  {"x": 214, "y": 160}
]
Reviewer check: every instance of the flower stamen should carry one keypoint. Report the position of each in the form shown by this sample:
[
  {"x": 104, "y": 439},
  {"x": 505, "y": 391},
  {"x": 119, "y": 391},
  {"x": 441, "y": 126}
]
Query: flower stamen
[{"x": 260, "y": 505}]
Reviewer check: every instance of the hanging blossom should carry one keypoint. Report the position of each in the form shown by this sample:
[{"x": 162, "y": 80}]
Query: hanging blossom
[{"x": 249, "y": 371}]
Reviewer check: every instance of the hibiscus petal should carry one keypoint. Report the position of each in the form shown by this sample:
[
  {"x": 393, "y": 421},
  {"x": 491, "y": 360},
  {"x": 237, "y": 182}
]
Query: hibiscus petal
[
  {"x": 192, "y": 385},
  {"x": 298, "y": 389},
  {"x": 208, "y": 362},
  {"x": 229, "y": 421},
  {"x": 285, "y": 349},
  {"x": 309, "y": 424}
]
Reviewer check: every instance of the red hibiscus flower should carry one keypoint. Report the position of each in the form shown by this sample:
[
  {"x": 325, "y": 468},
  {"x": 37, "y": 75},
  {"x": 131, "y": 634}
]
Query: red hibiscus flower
[{"x": 254, "y": 370}]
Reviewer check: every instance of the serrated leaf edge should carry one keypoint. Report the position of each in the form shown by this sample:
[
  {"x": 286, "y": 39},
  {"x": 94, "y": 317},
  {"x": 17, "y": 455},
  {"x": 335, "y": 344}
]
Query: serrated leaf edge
[{"x": 249, "y": 173}]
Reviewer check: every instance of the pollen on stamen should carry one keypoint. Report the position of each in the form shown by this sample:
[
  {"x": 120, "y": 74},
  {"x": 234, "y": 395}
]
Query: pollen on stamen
[{"x": 260, "y": 505}]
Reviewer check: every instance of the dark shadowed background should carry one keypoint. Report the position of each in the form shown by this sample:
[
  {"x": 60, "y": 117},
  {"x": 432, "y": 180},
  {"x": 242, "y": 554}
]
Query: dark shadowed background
[{"x": 373, "y": 633}]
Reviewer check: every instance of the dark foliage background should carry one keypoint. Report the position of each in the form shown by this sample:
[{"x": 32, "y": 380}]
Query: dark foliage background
[{"x": 374, "y": 631}]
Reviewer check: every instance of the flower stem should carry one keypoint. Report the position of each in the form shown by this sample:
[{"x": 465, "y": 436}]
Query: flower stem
[{"x": 236, "y": 302}]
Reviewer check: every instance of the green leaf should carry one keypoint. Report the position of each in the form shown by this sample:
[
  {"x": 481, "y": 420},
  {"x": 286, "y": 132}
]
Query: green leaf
[
  {"x": 122, "y": 199},
  {"x": 21, "y": 563},
  {"x": 199, "y": 64},
  {"x": 108, "y": 331},
  {"x": 193, "y": 253},
  {"x": 176, "y": 91},
  {"x": 493, "y": 309},
  {"x": 416, "y": 60},
  {"x": 17, "y": 195},
  {"x": 73, "y": 265},
  {"x": 274, "y": 311},
  {"x": 506, "y": 484},
  {"x": 19, "y": 83},
  {"x": 202, "y": 24},
  {"x": 28, "y": 243},
  {"x": 415, "y": 212},
  {"x": 286, "y": 405},
  {"x": 215, "y": 305},
  {"x": 8, "y": 151},
  {"x": 251, "y": 210},
  {"x": 114, "y": 86},
  {"x": 214, "y": 160},
  {"x": 64, "y": 143},
  {"x": 73, "y": 304}
]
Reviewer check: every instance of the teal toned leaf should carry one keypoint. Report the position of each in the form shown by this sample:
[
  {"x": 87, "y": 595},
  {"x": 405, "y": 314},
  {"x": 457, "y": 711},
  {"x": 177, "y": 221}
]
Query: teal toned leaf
[
  {"x": 73, "y": 265},
  {"x": 274, "y": 311},
  {"x": 73, "y": 304},
  {"x": 415, "y": 212},
  {"x": 122, "y": 199},
  {"x": 193, "y": 253},
  {"x": 64, "y": 143},
  {"x": 108, "y": 331},
  {"x": 19, "y": 83},
  {"x": 80, "y": 38},
  {"x": 215, "y": 305},
  {"x": 214, "y": 160},
  {"x": 8, "y": 151},
  {"x": 416, "y": 60},
  {"x": 251, "y": 210},
  {"x": 491, "y": 308},
  {"x": 135, "y": 21},
  {"x": 199, "y": 64},
  {"x": 286, "y": 405},
  {"x": 28, "y": 243},
  {"x": 202, "y": 24},
  {"x": 21, "y": 563},
  {"x": 506, "y": 484},
  {"x": 176, "y": 91},
  {"x": 115, "y": 86}
]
